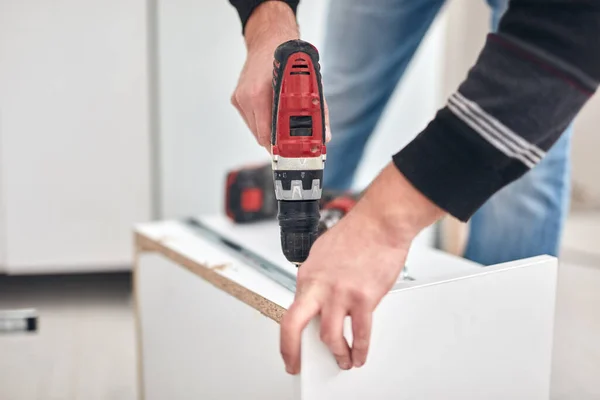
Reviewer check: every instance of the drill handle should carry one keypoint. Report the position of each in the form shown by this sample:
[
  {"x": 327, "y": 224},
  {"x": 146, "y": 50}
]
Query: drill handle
[{"x": 298, "y": 107}]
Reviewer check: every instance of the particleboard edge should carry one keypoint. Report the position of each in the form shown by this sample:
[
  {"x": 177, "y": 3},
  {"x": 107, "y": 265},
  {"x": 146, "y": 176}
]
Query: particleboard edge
[{"x": 254, "y": 300}]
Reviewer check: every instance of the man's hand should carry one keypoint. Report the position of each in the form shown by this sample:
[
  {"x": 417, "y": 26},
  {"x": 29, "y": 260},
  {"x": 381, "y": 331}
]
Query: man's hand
[
  {"x": 271, "y": 24},
  {"x": 352, "y": 266}
]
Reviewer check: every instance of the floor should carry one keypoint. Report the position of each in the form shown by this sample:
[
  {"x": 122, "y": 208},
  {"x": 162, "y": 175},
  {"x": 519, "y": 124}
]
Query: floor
[{"x": 85, "y": 348}]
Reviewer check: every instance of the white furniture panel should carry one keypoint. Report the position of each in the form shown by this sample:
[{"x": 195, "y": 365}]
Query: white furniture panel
[
  {"x": 207, "y": 324},
  {"x": 484, "y": 336},
  {"x": 220, "y": 357},
  {"x": 75, "y": 158}
]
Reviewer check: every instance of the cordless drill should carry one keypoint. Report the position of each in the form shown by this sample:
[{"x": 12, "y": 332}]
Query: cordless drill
[{"x": 297, "y": 145}]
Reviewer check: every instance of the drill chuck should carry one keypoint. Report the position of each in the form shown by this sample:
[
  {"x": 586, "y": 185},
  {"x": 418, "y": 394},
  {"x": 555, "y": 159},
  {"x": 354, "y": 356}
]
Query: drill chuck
[{"x": 299, "y": 221}]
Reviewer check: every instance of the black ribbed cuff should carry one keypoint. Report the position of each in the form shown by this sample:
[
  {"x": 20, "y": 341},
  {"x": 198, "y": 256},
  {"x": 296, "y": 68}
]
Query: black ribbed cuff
[
  {"x": 245, "y": 8},
  {"x": 452, "y": 169}
]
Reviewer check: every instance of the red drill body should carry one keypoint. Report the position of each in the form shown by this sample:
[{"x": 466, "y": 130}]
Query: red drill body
[
  {"x": 298, "y": 145},
  {"x": 299, "y": 115}
]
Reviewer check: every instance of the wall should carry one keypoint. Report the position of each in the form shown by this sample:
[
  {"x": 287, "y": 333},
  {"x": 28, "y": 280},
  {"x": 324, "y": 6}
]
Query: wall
[
  {"x": 74, "y": 151},
  {"x": 201, "y": 135},
  {"x": 201, "y": 52},
  {"x": 468, "y": 22},
  {"x": 586, "y": 166}
]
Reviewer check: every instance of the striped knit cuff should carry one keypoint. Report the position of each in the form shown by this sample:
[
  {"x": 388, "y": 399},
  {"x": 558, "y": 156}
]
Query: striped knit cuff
[
  {"x": 446, "y": 164},
  {"x": 495, "y": 132},
  {"x": 513, "y": 106}
]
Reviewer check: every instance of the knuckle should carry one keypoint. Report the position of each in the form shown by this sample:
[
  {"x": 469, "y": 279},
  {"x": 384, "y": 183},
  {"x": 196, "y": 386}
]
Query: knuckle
[
  {"x": 287, "y": 320},
  {"x": 358, "y": 295},
  {"x": 360, "y": 343},
  {"x": 263, "y": 139},
  {"x": 326, "y": 337},
  {"x": 285, "y": 355},
  {"x": 305, "y": 277},
  {"x": 339, "y": 288},
  {"x": 254, "y": 92},
  {"x": 241, "y": 96},
  {"x": 352, "y": 292},
  {"x": 306, "y": 284},
  {"x": 287, "y": 323},
  {"x": 360, "y": 334}
]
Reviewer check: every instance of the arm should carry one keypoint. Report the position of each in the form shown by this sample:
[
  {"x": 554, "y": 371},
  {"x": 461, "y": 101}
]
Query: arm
[
  {"x": 530, "y": 81},
  {"x": 266, "y": 24}
]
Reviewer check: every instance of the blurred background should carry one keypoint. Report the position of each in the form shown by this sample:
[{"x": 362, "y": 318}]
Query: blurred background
[{"x": 114, "y": 113}]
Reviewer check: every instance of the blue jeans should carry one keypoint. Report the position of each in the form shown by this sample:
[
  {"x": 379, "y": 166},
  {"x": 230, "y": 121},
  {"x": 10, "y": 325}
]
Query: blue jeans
[{"x": 367, "y": 48}]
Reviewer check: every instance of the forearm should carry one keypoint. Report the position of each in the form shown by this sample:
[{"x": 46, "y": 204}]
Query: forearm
[
  {"x": 246, "y": 8},
  {"x": 272, "y": 21},
  {"x": 394, "y": 207},
  {"x": 530, "y": 81}
]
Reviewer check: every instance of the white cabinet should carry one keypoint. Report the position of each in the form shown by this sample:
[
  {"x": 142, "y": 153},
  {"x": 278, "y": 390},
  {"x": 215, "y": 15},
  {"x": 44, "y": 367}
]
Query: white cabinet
[
  {"x": 74, "y": 142},
  {"x": 208, "y": 326}
]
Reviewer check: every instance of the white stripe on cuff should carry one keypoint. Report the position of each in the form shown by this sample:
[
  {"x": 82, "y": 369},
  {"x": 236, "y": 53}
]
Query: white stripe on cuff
[
  {"x": 496, "y": 133},
  {"x": 506, "y": 131},
  {"x": 491, "y": 139}
]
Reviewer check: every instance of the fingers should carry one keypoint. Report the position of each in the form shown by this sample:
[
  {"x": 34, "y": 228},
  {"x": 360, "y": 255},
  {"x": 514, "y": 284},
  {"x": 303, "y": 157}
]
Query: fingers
[
  {"x": 263, "y": 115},
  {"x": 361, "y": 333},
  {"x": 247, "y": 116},
  {"x": 292, "y": 324},
  {"x": 307, "y": 307},
  {"x": 332, "y": 334},
  {"x": 327, "y": 125},
  {"x": 255, "y": 108}
]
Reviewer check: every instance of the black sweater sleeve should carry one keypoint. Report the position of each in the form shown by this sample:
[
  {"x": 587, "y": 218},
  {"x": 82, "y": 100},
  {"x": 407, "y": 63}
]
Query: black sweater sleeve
[
  {"x": 530, "y": 81},
  {"x": 246, "y": 7}
]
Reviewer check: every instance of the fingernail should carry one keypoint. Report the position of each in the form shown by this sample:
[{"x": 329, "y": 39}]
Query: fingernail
[
  {"x": 358, "y": 364},
  {"x": 345, "y": 365},
  {"x": 289, "y": 370}
]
